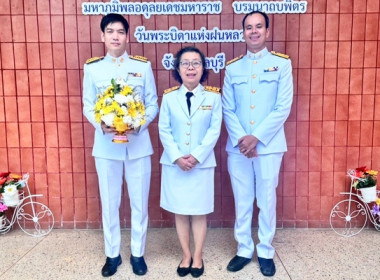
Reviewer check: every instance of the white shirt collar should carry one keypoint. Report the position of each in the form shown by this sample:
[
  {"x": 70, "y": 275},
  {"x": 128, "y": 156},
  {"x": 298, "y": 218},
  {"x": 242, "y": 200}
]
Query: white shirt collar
[
  {"x": 258, "y": 55},
  {"x": 195, "y": 91}
]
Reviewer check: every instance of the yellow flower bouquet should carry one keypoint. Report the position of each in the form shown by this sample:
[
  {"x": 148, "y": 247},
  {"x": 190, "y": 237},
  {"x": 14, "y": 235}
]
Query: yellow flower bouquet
[{"x": 121, "y": 107}]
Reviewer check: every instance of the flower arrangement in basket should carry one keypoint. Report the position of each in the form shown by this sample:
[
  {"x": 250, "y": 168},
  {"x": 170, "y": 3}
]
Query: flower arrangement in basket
[
  {"x": 121, "y": 107},
  {"x": 367, "y": 178},
  {"x": 9, "y": 186},
  {"x": 365, "y": 181}
]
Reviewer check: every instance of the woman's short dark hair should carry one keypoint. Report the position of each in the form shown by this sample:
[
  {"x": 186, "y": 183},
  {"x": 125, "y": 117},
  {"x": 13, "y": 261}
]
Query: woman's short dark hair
[
  {"x": 112, "y": 18},
  {"x": 177, "y": 60},
  {"x": 257, "y": 12}
]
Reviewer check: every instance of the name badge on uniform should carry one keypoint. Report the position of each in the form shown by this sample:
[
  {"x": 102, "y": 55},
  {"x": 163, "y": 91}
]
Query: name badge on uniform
[
  {"x": 132, "y": 74},
  {"x": 271, "y": 69},
  {"x": 205, "y": 107}
]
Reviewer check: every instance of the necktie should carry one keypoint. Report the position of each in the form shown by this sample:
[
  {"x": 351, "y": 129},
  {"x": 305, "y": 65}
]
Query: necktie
[{"x": 188, "y": 95}]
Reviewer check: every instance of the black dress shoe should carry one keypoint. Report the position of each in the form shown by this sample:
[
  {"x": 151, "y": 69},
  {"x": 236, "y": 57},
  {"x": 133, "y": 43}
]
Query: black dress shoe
[
  {"x": 267, "y": 266},
  {"x": 183, "y": 271},
  {"x": 196, "y": 272},
  {"x": 237, "y": 263},
  {"x": 110, "y": 266},
  {"x": 138, "y": 265}
]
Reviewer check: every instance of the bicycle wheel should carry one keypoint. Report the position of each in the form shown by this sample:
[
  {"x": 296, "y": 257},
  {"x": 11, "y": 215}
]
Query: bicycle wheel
[
  {"x": 35, "y": 219},
  {"x": 348, "y": 217}
]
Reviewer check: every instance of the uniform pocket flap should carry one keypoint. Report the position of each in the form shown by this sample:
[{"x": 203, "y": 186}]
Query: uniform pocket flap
[
  {"x": 135, "y": 81},
  {"x": 269, "y": 77},
  {"x": 239, "y": 80}
]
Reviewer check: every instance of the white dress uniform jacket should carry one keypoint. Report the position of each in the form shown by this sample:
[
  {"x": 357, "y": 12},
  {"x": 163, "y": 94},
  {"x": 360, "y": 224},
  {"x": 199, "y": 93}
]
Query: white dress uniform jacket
[
  {"x": 196, "y": 134},
  {"x": 189, "y": 192},
  {"x": 97, "y": 77},
  {"x": 257, "y": 98},
  {"x": 114, "y": 159}
]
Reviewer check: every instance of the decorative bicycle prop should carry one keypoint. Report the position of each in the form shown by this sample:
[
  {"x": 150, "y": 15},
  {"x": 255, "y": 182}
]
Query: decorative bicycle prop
[
  {"x": 34, "y": 218},
  {"x": 349, "y": 216}
]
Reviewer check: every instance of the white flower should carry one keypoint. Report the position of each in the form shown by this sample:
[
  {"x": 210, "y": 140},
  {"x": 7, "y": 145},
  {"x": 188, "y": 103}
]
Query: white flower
[
  {"x": 125, "y": 109},
  {"x": 10, "y": 189},
  {"x": 137, "y": 98},
  {"x": 127, "y": 120},
  {"x": 136, "y": 122},
  {"x": 108, "y": 101},
  {"x": 108, "y": 119},
  {"x": 121, "y": 99},
  {"x": 129, "y": 99}
]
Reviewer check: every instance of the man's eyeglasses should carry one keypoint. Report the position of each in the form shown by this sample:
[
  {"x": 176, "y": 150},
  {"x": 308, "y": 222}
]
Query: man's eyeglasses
[{"x": 195, "y": 63}]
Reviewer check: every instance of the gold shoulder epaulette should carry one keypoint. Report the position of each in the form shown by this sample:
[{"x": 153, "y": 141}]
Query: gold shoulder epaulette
[
  {"x": 171, "y": 89},
  {"x": 139, "y": 58},
  {"x": 212, "y": 89},
  {"x": 280, "y": 54},
  {"x": 234, "y": 59},
  {"x": 94, "y": 59}
]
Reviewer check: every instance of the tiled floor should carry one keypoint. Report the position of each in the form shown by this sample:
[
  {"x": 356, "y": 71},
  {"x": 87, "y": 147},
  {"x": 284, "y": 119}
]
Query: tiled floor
[{"x": 78, "y": 254}]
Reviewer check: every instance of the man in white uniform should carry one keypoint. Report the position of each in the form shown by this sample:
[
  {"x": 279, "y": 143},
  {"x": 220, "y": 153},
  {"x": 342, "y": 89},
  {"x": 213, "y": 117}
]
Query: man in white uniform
[
  {"x": 113, "y": 160},
  {"x": 257, "y": 97}
]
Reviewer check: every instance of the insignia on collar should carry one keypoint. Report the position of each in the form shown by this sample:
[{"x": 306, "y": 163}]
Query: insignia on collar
[
  {"x": 94, "y": 59},
  {"x": 234, "y": 59},
  {"x": 212, "y": 89},
  {"x": 136, "y": 75},
  {"x": 139, "y": 58},
  {"x": 271, "y": 69},
  {"x": 280, "y": 54},
  {"x": 171, "y": 89}
]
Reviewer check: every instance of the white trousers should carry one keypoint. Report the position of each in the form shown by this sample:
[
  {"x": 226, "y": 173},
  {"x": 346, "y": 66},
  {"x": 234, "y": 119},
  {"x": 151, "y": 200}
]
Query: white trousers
[
  {"x": 137, "y": 175},
  {"x": 250, "y": 179}
]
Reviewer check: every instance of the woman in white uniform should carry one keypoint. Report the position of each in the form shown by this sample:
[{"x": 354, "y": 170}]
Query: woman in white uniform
[{"x": 189, "y": 127}]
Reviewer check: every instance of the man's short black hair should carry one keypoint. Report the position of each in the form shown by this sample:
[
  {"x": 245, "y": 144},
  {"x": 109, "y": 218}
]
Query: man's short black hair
[
  {"x": 257, "y": 12},
  {"x": 177, "y": 60},
  {"x": 112, "y": 18}
]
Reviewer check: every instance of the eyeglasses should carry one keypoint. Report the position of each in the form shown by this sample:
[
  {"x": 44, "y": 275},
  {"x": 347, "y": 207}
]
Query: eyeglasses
[{"x": 195, "y": 63}]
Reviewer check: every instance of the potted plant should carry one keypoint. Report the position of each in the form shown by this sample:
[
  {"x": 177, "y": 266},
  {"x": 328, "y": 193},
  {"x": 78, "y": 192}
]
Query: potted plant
[
  {"x": 366, "y": 183},
  {"x": 9, "y": 186}
]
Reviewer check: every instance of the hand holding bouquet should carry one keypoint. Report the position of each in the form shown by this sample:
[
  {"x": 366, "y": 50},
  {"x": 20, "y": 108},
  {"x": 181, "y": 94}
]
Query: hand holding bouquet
[{"x": 120, "y": 107}]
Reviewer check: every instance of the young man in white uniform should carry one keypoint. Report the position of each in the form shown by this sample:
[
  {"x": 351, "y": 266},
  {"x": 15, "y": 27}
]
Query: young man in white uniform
[{"x": 115, "y": 160}]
